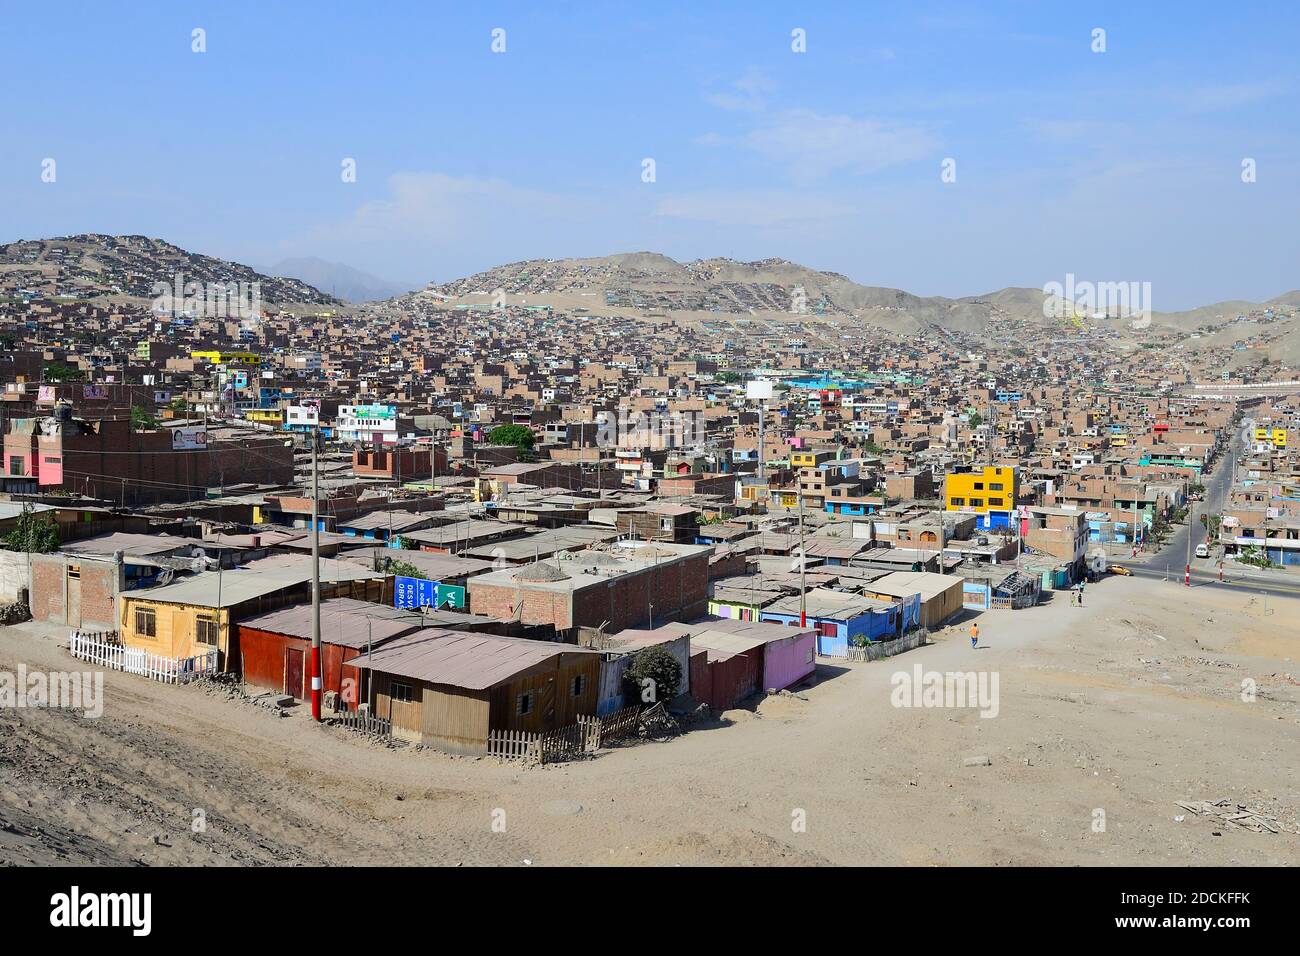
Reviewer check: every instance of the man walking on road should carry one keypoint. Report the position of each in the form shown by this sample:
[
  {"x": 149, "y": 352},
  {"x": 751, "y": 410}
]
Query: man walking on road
[{"x": 974, "y": 634}]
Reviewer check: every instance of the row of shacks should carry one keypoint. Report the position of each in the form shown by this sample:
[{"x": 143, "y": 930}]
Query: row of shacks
[{"x": 451, "y": 688}]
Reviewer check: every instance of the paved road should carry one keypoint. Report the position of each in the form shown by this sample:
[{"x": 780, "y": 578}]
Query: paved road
[{"x": 1171, "y": 560}]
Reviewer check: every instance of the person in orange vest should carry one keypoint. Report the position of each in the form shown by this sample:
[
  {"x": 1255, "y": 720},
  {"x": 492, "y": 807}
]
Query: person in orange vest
[{"x": 974, "y": 634}]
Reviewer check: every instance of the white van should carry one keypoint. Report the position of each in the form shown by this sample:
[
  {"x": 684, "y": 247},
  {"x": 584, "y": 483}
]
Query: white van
[{"x": 1202, "y": 550}]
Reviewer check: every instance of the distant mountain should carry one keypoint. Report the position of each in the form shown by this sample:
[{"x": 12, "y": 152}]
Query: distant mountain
[
  {"x": 650, "y": 283},
  {"x": 90, "y": 265},
  {"x": 345, "y": 282}
]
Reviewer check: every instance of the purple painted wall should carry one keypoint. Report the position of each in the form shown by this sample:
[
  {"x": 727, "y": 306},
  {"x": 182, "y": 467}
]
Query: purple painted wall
[{"x": 789, "y": 660}]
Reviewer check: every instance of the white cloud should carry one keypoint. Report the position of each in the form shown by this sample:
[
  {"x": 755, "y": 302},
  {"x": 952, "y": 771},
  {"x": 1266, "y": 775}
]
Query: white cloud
[
  {"x": 427, "y": 204},
  {"x": 813, "y": 146},
  {"x": 753, "y": 208},
  {"x": 745, "y": 95}
]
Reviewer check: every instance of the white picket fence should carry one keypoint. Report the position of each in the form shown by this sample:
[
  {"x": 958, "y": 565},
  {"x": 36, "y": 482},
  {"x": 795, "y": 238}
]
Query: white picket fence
[{"x": 101, "y": 649}]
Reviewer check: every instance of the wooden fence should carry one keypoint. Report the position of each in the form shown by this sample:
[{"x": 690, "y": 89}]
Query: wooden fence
[
  {"x": 621, "y": 723},
  {"x": 514, "y": 745},
  {"x": 586, "y": 736},
  {"x": 103, "y": 649},
  {"x": 878, "y": 650},
  {"x": 363, "y": 722}
]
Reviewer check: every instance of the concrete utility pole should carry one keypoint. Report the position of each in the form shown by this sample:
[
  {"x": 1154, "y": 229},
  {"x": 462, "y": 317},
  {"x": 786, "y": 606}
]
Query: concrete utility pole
[
  {"x": 803, "y": 567},
  {"x": 1191, "y": 521},
  {"x": 315, "y": 578}
]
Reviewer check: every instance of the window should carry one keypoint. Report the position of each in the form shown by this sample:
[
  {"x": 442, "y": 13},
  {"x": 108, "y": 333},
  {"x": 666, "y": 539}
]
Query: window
[
  {"x": 579, "y": 684},
  {"x": 401, "y": 693},
  {"x": 995, "y": 486},
  {"x": 146, "y": 622},
  {"x": 977, "y": 502},
  {"x": 205, "y": 630},
  {"x": 524, "y": 704},
  {"x": 979, "y": 486},
  {"x": 958, "y": 502},
  {"x": 997, "y": 502},
  {"x": 15, "y": 465}
]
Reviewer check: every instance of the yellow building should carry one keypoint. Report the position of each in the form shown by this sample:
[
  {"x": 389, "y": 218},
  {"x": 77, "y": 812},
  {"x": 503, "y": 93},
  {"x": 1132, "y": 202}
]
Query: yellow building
[
  {"x": 992, "y": 488},
  {"x": 265, "y": 416},
  {"x": 195, "y": 614},
  {"x": 216, "y": 357},
  {"x": 1276, "y": 435}
]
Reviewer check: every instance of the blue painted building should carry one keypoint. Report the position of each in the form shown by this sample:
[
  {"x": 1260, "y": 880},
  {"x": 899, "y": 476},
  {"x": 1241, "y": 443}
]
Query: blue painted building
[{"x": 840, "y": 619}]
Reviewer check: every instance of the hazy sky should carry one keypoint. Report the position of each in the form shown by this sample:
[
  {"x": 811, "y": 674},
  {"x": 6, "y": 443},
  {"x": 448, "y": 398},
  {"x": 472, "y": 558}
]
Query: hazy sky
[{"x": 1124, "y": 165}]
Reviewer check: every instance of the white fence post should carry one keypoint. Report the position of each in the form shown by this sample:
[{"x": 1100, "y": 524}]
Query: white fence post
[{"x": 137, "y": 660}]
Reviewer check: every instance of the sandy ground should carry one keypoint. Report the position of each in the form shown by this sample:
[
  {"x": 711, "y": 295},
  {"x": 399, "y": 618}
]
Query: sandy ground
[{"x": 1123, "y": 706}]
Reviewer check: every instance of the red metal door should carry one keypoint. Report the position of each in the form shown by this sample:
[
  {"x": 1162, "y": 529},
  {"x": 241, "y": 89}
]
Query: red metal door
[{"x": 293, "y": 673}]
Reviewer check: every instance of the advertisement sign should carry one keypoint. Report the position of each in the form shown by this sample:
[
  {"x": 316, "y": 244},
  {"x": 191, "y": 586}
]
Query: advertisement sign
[
  {"x": 187, "y": 438},
  {"x": 418, "y": 592},
  {"x": 94, "y": 392},
  {"x": 45, "y": 393}
]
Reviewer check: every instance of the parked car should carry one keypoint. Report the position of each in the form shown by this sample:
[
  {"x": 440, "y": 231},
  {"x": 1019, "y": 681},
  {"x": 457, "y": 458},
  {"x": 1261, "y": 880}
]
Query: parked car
[
  {"x": 1202, "y": 550},
  {"x": 1120, "y": 570}
]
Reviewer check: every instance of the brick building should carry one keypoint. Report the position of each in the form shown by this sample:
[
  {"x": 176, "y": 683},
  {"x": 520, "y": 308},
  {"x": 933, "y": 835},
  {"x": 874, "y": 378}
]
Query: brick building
[
  {"x": 629, "y": 585},
  {"x": 110, "y": 460}
]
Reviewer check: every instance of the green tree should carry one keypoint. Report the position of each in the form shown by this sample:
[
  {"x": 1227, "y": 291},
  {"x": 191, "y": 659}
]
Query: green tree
[
  {"x": 975, "y": 419},
  {"x": 33, "y": 533},
  {"x": 404, "y": 569},
  {"x": 58, "y": 372},
  {"x": 521, "y": 436},
  {"x": 653, "y": 676},
  {"x": 142, "y": 419}
]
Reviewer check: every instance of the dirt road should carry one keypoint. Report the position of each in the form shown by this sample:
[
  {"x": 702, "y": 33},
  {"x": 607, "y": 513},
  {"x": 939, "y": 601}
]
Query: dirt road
[{"x": 1122, "y": 707}]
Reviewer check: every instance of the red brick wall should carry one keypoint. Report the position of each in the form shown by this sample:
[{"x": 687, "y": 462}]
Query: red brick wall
[{"x": 678, "y": 590}]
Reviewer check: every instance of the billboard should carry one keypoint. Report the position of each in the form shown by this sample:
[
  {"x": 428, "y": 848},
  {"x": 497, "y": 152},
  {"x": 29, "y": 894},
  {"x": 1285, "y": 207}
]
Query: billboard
[
  {"x": 758, "y": 388},
  {"x": 94, "y": 392},
  {"x": 187, "y": 438}
]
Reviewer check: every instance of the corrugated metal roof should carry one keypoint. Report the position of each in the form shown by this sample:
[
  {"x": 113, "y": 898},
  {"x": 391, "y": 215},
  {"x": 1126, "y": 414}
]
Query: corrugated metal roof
[
  {"x": 461, "y": 659},
  {"x": 343, "y": 621},
  {"x": 250, "y": 581}
]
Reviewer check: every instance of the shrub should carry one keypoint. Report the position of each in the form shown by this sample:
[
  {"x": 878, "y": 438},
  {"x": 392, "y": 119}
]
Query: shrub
[{"x": 660, "y": 668}]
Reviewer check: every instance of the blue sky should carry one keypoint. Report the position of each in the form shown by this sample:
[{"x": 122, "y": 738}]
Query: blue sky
[{"x": 1117, "y": 166}]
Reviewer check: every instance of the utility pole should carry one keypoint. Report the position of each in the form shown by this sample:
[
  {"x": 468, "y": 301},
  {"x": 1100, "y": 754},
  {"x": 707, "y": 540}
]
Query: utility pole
[
  {"x": 1191, "y": 521},
  {"x": 803, "y": 566},
  {"x": 315, "y": 577}
]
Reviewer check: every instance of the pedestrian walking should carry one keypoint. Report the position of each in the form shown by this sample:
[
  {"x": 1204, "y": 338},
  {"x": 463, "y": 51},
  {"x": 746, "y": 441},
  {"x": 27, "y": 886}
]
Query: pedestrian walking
[{"x": 974, "y": 634}]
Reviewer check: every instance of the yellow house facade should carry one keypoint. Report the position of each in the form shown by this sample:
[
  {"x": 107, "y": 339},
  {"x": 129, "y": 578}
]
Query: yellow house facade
[
  {"x": 1277, "y": 436},
  {"x": 991, "y": 488},
  {"x": 216, "y": 357},
  {"x": 265, "y": 416},
  {"x": 199, "y": 613}
]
